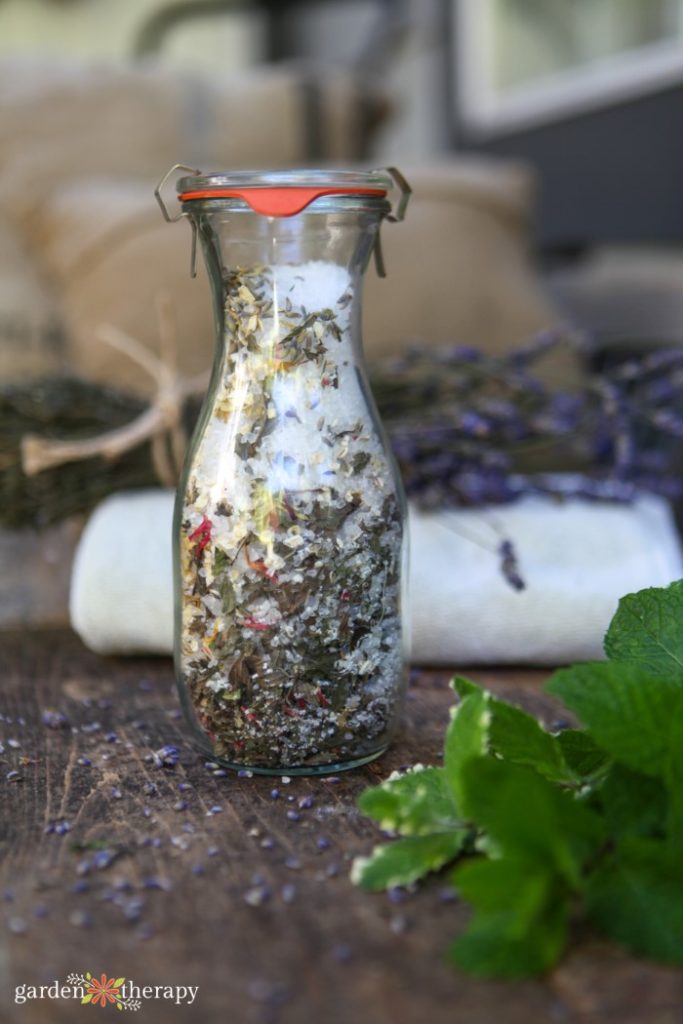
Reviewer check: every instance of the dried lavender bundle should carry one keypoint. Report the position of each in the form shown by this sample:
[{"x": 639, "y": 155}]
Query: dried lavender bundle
[
  {"x": 469, "y": 430},
  {"x": 290, "y": 536}
]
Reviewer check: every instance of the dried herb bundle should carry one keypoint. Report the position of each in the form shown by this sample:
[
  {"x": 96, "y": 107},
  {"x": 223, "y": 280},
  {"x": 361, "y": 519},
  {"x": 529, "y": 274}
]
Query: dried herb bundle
[{"x": 470, "y": 430}]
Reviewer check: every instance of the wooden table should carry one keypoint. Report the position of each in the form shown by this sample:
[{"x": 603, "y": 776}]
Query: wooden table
[{"x": 174, "y": 906}]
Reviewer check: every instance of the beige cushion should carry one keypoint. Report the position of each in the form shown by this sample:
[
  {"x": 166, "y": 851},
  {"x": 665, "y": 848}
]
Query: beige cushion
[
  {"x": 61, "y": 120},
  {"x": 65, "y": 125},
  {"x": 458, "y": 267},
  {"x": 111, "y": 256},
  {"x": 30, "y": 332}
]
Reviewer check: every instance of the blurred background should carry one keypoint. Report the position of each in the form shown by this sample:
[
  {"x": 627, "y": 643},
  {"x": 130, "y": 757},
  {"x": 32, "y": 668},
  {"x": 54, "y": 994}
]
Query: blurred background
[
  {"x": 542, "y": 140},
  {"x": 560, "y": 116}
]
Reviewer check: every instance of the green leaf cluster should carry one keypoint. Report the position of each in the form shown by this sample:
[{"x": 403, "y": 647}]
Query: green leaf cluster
[{"x": 544, "y": 828}]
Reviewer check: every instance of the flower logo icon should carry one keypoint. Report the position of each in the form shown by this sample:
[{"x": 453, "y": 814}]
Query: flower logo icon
[{"x": 106, "y": 990}]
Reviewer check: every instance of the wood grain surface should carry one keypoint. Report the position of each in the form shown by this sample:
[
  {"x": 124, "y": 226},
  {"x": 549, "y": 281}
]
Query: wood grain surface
[{"x": 174, "y": 904}]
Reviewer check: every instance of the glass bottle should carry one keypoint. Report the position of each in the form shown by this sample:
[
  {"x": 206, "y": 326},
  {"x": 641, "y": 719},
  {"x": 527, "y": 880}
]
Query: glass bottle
[{"x": 289, "y": 521}]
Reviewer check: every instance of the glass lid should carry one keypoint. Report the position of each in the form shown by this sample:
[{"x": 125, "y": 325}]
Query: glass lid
[{"x": 283, "y": 193}]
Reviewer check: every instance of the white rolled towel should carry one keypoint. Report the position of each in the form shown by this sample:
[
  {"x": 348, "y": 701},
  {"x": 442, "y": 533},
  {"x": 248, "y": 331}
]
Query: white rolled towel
[{"x": 576, "y": 558}]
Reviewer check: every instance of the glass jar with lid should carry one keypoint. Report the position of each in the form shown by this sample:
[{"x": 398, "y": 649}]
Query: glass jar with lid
[{"x": 290, "y": 550}]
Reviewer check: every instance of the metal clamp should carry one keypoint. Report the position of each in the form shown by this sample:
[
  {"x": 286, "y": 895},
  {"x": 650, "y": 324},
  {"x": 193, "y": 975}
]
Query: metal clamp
[
  {"x": 157, "y": 190},
  {"x": 399, "y": 213},
  {"x": 394, "y": 215},
  {"x": 172, "y": 220}
]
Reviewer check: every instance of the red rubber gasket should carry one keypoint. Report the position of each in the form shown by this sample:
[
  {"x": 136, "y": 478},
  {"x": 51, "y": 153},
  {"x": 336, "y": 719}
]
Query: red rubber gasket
[{"x": 277, "y": 202}]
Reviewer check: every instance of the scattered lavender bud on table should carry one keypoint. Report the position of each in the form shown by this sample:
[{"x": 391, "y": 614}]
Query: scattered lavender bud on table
[
  {"x": 80, "y": 919},
  {"x": 55, "y": 719},
  {"x": 288, "y": 893},
  {"x": 257, "y": 895}
]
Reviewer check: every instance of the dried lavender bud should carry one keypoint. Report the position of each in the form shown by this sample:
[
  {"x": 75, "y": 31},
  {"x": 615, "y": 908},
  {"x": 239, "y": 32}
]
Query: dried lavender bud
[
  {"x": 103, "y": 858},
  {"x": 166, "y": 757},
  {"x": 55, "y": 719},
  {"x": 288, "y": 893},
  {"x": 154, "y": 882},
  {"x": 133, "y": 908},
  {"x": 80, "y": 919},
  {"x": 257, "y": 895},
  {"x": 510, "y": 565}
]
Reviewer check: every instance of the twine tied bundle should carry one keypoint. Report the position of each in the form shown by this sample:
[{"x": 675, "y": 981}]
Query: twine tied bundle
[{"x": 161, "y": 423}]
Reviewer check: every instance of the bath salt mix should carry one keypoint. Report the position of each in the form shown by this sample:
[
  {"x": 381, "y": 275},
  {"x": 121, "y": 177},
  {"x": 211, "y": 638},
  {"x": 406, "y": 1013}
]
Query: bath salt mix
[{"x": 290, "y": 534}]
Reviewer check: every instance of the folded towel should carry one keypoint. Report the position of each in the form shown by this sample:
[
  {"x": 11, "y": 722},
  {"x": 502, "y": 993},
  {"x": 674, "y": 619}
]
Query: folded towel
[{"x": 576, "y": 558}]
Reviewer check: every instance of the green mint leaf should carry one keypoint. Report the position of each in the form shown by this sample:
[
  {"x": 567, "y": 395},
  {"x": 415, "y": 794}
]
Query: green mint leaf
[
  {"x": 418, "y": 802},
  {"x": 519, "y": 926},
  {"x": 633, "y": 804},
  {"x": 673, "y": 778},
  {"x": 466, "y": 737},
  {"x": 528, "y": 817},
  {"x": 406, "y": 860},
  {"x": 636, "y": 898},
  {"x": 629, "y": 715},
  {"x": 647, "y": 630},
  {"x": 464, "y": 687},
  {"x": 517, "y": 735},
  {"x": 581, "y": 753}
]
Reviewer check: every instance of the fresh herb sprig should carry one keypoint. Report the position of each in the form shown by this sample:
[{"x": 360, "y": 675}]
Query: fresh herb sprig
[{"x": 549, "y": 827}]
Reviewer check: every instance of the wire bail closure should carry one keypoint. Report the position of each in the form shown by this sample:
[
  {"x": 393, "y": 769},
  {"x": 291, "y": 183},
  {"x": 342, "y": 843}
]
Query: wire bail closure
[
  {"x": 395, "y": 215},
  {"x": 173, "y": 220}
]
